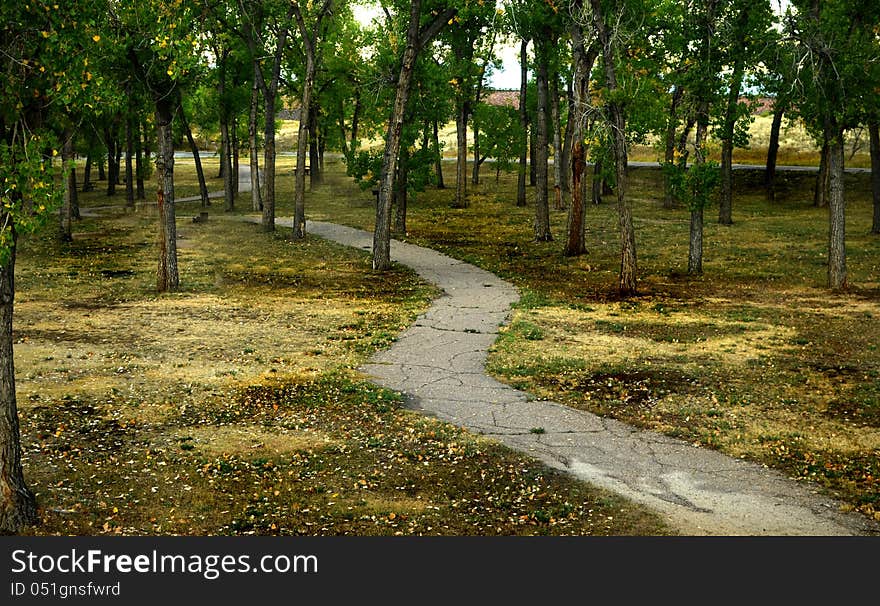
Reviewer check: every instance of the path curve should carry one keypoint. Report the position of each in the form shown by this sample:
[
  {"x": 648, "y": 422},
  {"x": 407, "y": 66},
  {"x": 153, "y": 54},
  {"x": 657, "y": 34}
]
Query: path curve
[{"x": 439, "y": 365}]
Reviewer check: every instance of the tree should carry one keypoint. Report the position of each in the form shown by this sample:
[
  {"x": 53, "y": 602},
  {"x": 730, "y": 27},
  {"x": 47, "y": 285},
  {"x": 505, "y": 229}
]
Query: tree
[
  {"x": 265, "y": 30},
  {"x": 745, "y": 36},
  {"x": 606, "y": 24},
  {"x": 30, "y": 35},
  {"x": 161, "y": 45},
  {"x": 310, "y": 41},
  {"x": 583, "y": 59},
  {"x": 833, "y": 44},
  {"x": 417, "y": 37}
]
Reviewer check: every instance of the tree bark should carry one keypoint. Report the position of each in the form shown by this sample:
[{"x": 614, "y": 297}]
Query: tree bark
[
  {"x": 112, "y": 168},
  {"x": 167, "y": 279},
  {"x": 773, "y": 152},
  {"x": 307, "y": 121},
  {"x": 67, "y": 158},
  {"x": 695, "y": 246},
  {"x": 401, "y": 193},
  {"x": 837, "y": 278},
  {"x": 438, "y": 161},
  {"x": 87, "y": 185},
  {"x": 315, "y": 167},
  {"x": 268, "y": 219},
  {"x": 597, "y": 182},
  {"x": 725, "y": 210},
  {"x": 461, "y": 152},
  {"x": 669, "y": 151},
  {"x": 583, "y": 60},
  {"x": 523, "y": 122},
  {"x": 567, "y": 143},
  {"x": 129, "y": 162},
  {"x": 628, "y": 267},
  {"x": 542, "y": 203},
  {"x": 874, "y": 132},
  {"x": 558, "y": 160},
  {"x": 194, "y": 148},
  {"x": 415, "y": 40},
  {"x": 18, "y": 505},
  {"x": 139, "y": 151},
  {"x": 236, "y": 159},
  {"x": 256, "y": 198},
  {"x": 821, "y": 189},
  {"x": 299, "y": 199}
]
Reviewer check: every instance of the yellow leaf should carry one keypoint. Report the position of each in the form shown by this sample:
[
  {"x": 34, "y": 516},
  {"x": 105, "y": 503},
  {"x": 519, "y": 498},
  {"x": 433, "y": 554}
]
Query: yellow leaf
[{"x": 96, "y": 38}]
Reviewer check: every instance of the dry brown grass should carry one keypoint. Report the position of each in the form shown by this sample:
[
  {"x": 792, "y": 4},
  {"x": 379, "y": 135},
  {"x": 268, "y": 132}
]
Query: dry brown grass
[{"x": 233, "y": 406}]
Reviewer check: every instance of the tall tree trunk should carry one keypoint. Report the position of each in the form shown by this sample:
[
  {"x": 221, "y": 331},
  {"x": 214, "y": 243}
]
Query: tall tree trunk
[
  {"x": 669, "y": 151},
  {"x": 268, "y": 220},
  {"x": 874, "y": 131},
  {"x": 583, "y": 60},
  {"x": 414, "y": 42},
  {"x": 194, "y": 148},
  {"x": 542, "y": 204},
  {"x": 102, "y": 174},
  {"x": 438, "y": 160},
  {"x": 837, "y": 279},
  {"x": 167, "y": 278},
  {"x": 821, "y": 191},
  {"x": 256, "y": 198},
  {"x": 523, "y": 122},
  {"x": 315, "y": 176},
  {"x": 87, "y": 185},
  {"x": 18, "y": 505},
  {"x": 628, "y": 269},
  {"x": 695, "y": 246},
  {"x": 139, "y": 165},
  {"x": 112, "y": 168},
  {"x": 401, "y": 193},
  {"x": 308, "y": 119},
  {"x": 226, "y": 163},
  {"x": 478, "y": 162},
  {"x": 533, "y": 160},
  {"x": 773, "y": 151},
  {"x": 225, "y": 135},
  {"x": 299, "y": 206},
  {"x": 129, "y": 162},
  {"x": 67, "y": 158},
  {"x": 725, "y": 210},
  {"x": 461, "y": 152},
  {"x": 597, "y": 182},
  {"x": 567, "y": 143},
  {"x": 355, "y": 119},
  {"x": 236, "y": 159},
  {"x": 558, "y": 202}
]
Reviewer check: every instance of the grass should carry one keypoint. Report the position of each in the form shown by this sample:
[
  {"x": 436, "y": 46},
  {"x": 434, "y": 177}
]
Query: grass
[
  {"x": 755, "y": 358},
  {"x": 234, "y": 406}
]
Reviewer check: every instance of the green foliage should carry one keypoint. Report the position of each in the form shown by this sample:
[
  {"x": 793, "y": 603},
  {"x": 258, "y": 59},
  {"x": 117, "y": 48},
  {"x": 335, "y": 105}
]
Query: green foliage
[
  {"x": 502, "y": 134},
  {"x": 366, "y": 167},
  {"x": 695, "y": 185},
  {"x": 28, "y": 191}
]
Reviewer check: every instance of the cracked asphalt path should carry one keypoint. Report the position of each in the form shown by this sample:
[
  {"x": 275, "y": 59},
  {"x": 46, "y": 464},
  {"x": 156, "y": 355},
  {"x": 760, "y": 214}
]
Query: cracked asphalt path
[{"x": 439, "y": 365}]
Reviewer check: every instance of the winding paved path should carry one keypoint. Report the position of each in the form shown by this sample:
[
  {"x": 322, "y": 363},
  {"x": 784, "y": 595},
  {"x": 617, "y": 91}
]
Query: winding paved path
[{"x": 439, "y": 365}]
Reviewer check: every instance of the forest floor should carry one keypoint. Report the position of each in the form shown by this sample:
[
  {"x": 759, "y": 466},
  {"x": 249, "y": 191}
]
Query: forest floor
[
  {"x": 234, "y": 407},
  {"x": 162, "y": 414},
  {"x": 756, "y": 358}
]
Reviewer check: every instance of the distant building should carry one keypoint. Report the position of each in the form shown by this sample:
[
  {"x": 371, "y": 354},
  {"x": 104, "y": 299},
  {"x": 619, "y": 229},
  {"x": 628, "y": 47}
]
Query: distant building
[{"x": 502, "y": 98}]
